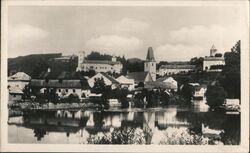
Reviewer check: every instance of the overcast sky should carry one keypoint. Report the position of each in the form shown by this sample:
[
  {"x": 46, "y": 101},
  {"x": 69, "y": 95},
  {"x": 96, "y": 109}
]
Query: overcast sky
[{"x": 175, "y": 33}]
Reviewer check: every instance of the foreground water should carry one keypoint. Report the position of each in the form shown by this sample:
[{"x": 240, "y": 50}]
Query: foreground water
[{"x": 172, "y": 125}]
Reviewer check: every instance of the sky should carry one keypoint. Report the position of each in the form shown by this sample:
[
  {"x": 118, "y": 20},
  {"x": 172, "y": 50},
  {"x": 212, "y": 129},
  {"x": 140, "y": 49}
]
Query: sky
[{"x": 175, "y": 33}]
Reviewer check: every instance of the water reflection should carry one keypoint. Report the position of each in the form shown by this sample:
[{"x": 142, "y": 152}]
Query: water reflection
[{"x": 172, "y": 125}]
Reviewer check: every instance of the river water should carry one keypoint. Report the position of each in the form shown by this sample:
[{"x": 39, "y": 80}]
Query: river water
[{"x": 173, "y": 125}]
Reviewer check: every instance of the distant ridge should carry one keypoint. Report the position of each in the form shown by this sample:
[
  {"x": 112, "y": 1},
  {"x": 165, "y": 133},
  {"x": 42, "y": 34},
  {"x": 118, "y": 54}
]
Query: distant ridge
[{"x": 134, "y": 60}]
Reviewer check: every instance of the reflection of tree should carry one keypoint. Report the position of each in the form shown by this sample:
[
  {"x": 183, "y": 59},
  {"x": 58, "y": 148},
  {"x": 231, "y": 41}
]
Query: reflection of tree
[
  {"x": 231, "y": 127},
  {"x": 181, "y": 138},
  {"x": 39, "y": 133},
  {"x": 124, "y": 135}
]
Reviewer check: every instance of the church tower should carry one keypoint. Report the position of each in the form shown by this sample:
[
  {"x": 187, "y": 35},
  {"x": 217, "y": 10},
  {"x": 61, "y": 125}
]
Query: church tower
[
  {"x": 150, "y": 63},
  {"x": 213, "y": 51},
  {"x": 81, "y": 56}
]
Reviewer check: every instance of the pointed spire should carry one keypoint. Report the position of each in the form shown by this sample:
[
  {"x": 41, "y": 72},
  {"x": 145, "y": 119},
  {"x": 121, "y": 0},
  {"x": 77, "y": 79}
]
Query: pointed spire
[
  {"x": 150, "y": 55},
  {"x": 213, "y": 50}
]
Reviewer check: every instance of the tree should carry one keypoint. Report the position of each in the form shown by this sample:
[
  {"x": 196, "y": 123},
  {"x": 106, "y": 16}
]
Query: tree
[
  {"x": 218, "y": 55},
  {"x": 26, "y": 93},
  {"x": 215, "y": 96},
  {"x": 198, "y": 62},
  {"x": 187, "y": 92},
  {"x": 73, "y": 98},
  {"x": 231, "y": 72}
]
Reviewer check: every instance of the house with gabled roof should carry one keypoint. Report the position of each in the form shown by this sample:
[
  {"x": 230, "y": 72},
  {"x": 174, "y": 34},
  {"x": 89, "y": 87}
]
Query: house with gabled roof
[
  {"x": 16, "y": 85},
  {"x": 167, "y": 83},
  {"x": 20, "y": 80},
  {"x": 140, "y": 77},
  {"x": 108, "y": 80},
  {"x": 125, "y": 82}
]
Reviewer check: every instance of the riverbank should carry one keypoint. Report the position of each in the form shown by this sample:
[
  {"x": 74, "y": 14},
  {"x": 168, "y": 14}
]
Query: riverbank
[{"x": 17, "y": 109}]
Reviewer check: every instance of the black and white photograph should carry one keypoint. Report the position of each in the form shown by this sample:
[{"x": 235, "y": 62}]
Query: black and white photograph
[{"x": 133, "y": 74}]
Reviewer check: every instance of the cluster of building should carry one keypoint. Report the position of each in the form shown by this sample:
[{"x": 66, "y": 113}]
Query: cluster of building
[{"x": 66, "y": 83}]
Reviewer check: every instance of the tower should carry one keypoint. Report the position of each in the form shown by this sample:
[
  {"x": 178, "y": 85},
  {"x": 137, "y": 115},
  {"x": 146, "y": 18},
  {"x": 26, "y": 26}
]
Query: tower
[
  {"x": 150, "y": 63},
  {"x": 213, "y": 50},
  {"x": 81, "y": 56}
]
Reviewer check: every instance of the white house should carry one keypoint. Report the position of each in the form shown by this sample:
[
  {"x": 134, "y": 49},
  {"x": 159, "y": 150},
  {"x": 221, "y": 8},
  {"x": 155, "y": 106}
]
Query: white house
[
  {"x": 19, "y": 80},
  {"x": 125, "y": 82},
  {"x": 16, "y": 84},
  {"x": 112, "y": 66},
  {"x": 108, "y": 80},
  {"x": 199, "y": 90},
  {"x": 212, "y": 60},
  {"x": 15, "y": 94},
  {"x": 169, "y": 81},
  {"x": 175, "y": 69}
]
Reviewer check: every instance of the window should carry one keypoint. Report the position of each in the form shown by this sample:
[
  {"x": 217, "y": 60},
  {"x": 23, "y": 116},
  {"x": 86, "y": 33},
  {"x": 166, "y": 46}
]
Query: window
[
  {"x": 14, "y": 95},
  {"x": 152, "y": 64},
  {"x": 66, "y": 90},
  {"x": 59, "y": 90},
  {"x": 74, "y": 90}
]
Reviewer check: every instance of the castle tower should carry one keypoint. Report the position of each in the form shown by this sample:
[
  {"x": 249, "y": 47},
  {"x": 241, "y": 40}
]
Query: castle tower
[
  {"x": 113, "y": 59},
  {"x": 150, "y": 63},
  {"x": 213, "y": 51},
  {"x": 81, "y": 56}
]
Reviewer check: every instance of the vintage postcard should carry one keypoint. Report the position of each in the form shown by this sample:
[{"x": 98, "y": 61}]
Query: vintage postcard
[{"x": 125, "y": 76}]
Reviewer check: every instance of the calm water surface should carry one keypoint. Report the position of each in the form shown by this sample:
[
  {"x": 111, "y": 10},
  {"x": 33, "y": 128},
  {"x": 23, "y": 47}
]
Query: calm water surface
[{"x": 172, "y": 125}]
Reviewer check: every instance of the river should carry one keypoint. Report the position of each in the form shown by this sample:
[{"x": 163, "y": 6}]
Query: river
[{"x": 172, "y": 125}]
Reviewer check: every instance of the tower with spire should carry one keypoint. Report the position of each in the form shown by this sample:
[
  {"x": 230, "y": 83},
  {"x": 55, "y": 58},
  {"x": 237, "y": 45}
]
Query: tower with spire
[
  {"x": 150, "y": 63},
  {"x": 213, "y": 51}
]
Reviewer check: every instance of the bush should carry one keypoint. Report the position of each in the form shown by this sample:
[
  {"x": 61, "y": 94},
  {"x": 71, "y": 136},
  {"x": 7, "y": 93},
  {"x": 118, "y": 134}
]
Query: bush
[{"x": 215, "y": 96}]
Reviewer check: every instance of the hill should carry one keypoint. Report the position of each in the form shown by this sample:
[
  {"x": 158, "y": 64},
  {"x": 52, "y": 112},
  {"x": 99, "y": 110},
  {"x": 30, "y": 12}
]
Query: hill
[{"x": 34, "y": 64}]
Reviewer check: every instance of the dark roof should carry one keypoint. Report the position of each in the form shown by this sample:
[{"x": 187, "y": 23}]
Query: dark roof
[
  {"x": 177, "y": 67},
  {"x": 162, "y": 79},
  {"x": 150, "y": 55},
  {"x": 137, "y": 76},
  {"x": 101, "y": 62},
  {"x": 83, "y": 84},
  {"x": 113, "y": 80},
  {"x": 162, "y": 85},
  {"x": 59, "y": 75}
]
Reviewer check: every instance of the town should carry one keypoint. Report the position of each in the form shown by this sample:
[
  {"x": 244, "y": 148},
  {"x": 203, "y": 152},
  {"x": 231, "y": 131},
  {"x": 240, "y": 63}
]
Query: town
[{"x": 107, "y": 82}]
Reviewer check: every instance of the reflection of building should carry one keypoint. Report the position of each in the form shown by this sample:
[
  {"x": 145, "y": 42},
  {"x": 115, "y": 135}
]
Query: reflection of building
[
  {"x": 112, "y": 66},
  {"x": 213, "y": 60},
  {"x": 174, "y": 69}
]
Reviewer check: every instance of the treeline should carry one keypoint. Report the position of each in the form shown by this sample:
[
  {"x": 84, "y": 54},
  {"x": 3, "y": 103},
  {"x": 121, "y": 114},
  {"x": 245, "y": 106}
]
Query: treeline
[{"x": 30, "y": 64}]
